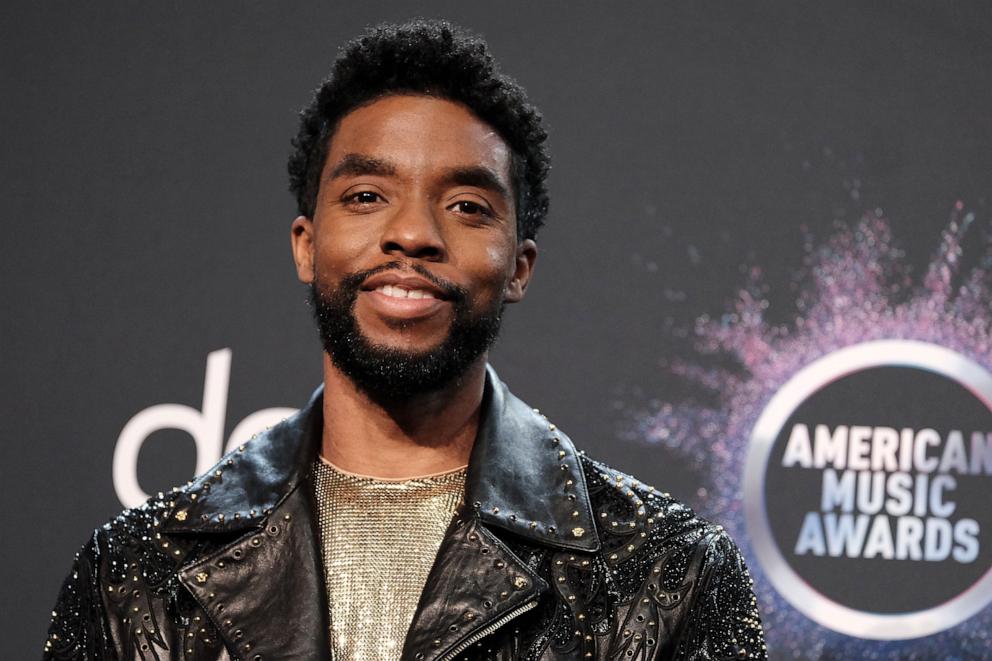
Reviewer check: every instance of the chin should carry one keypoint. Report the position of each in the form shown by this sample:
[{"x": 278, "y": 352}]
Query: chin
[
  {"x": 406, "y": 337},
  {"x": 406, "y": 347}
]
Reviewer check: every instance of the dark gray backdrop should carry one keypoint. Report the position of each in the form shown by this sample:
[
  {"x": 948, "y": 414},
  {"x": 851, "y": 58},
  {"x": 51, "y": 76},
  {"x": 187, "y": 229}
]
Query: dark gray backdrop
[{"x": 146, "y": 214}]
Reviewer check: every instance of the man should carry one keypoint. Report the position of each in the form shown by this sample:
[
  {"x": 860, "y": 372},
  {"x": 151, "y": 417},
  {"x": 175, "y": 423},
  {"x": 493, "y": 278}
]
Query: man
[{"x": 414, "y": 509}]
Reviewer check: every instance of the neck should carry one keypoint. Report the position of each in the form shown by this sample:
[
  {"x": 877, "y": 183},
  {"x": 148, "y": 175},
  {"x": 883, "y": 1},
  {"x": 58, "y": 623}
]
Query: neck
[{"x": 425, "y": 434}]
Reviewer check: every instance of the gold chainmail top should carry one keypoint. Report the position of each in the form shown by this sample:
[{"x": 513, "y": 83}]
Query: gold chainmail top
[{"x": 380, "y": 539}]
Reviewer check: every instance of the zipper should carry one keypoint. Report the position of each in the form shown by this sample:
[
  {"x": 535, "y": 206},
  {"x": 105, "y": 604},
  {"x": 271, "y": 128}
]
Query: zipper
[{"x": 489, "y": 630}]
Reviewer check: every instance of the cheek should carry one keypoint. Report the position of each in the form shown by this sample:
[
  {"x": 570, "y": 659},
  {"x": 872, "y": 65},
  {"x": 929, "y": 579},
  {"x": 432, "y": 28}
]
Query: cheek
[
  {"x": 338, "y": 249},
  {"x": 497, "y": 257},
  {"x": 500, "y": 264}
]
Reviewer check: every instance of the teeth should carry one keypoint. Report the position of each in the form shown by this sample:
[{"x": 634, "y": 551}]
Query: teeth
[{"x": 400, "y": 292}]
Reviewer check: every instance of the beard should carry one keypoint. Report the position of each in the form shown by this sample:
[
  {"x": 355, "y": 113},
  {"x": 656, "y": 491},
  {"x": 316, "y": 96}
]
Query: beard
[{"x": 389, "y": 374}]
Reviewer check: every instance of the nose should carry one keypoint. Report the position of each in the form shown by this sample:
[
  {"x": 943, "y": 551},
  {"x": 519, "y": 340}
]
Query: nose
[{"x": 413, "y": 231}]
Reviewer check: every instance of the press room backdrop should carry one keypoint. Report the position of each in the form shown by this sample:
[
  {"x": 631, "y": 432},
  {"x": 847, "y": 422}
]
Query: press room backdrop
[{"x": 764, "y": 284}]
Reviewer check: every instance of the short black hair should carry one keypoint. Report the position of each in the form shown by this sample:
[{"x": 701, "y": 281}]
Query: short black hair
[{"x": 432, "y": 58}]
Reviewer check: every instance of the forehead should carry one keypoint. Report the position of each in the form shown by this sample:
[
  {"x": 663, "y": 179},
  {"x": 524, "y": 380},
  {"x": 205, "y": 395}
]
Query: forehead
[{"x": 418, "y": 134}]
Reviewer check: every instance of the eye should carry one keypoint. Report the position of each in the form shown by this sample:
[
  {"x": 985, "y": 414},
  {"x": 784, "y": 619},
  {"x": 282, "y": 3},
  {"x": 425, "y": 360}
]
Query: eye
[
  {"x": 470, "y": 208},
  {"x": 362, "y": 198}
]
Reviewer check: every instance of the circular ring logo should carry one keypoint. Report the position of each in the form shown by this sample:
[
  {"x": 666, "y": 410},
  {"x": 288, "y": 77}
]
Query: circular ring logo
[{"x": 866, "y": 487}]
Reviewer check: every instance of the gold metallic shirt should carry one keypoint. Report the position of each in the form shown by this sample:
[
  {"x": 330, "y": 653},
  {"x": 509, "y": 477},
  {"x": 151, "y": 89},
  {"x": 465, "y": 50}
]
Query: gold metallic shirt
[{"x": 379, "y": 539}]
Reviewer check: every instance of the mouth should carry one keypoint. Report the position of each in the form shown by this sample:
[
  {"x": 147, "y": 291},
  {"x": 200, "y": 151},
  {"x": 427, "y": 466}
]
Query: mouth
[
  {"x": 401, "y": 292},
  {"x": 405, "y": 285},
  {"x": 404, "y": 296}
]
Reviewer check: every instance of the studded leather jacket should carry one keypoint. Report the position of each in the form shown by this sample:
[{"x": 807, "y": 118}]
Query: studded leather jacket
[{"x": 554, "y": 556}]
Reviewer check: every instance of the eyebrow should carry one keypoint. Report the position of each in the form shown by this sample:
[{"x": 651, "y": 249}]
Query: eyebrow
[
  {"x": 477, "y": 176},
  {"x": 356, "y": 165}
]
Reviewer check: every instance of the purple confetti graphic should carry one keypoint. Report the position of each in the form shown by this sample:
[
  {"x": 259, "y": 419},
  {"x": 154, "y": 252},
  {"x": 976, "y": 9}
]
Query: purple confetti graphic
[{"x": 855, "y": 288}]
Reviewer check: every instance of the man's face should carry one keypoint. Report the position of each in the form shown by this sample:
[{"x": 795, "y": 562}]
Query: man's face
[{"x": 412, "y": 251}]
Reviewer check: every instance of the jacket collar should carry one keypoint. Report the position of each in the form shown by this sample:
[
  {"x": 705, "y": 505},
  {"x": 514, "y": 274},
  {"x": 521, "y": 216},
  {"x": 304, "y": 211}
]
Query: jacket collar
[
  {"x": 524, "y": 476},
  {"x": 243, "y": 488}
]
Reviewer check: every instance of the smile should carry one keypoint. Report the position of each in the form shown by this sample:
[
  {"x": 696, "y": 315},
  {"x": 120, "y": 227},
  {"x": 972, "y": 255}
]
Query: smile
[
  {"x": 404, "y": 303},
  {"x": 394, "y": 291}
]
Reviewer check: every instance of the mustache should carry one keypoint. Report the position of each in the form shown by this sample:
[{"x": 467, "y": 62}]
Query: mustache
[{"x": 453, "y": 292}]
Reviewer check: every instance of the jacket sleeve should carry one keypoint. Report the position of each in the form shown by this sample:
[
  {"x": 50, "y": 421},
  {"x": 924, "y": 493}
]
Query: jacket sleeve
[
  {"x": 79, "y": 629},
  {"x": 723, "y": 622}
]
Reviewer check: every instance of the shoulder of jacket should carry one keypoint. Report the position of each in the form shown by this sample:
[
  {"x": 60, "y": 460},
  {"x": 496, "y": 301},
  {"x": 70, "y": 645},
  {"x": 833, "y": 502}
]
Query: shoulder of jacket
[
  {"x": 662, "y": 574},
  {"x": 134, "y": 534},
  {"x": 121, "y": 556},
  {"x": 654, "y": 522}
]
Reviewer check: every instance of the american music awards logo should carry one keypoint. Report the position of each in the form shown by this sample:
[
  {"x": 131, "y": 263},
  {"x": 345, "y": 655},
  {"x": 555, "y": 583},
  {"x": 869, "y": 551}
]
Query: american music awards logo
[
  {"x": 850, "y": 451},
  {"x": 875, "y": 529}
]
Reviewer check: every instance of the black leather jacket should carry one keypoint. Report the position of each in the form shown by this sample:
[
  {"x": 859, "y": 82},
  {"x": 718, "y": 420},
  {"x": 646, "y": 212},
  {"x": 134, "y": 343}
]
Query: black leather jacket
[{"x": 554, "y": 556}]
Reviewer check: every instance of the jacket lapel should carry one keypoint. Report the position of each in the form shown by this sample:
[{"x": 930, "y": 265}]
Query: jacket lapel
[
  {"x": 475, "y": 586},
  {"x": 524, "y": 477},
  {"x": 265, "y": 590}
]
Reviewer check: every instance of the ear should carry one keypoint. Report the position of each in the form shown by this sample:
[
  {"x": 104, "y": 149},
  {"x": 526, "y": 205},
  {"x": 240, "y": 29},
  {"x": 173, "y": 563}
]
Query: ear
[
  {"x": 526, "y": 256},
  {"x": 303, "y": 241}
]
